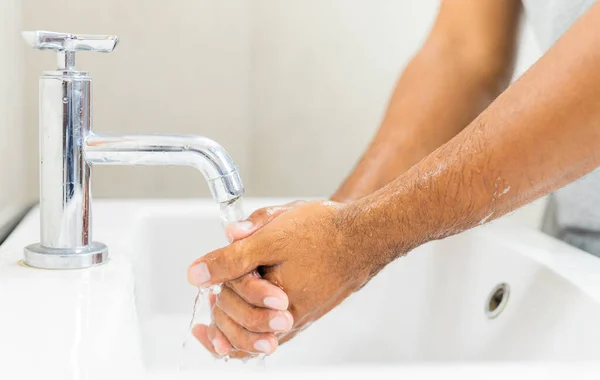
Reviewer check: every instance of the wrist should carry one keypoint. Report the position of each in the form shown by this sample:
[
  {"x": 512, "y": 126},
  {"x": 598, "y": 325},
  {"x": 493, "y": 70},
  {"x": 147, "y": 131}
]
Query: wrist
[
  {"x": 358, "y": 241},
  {"x": 385, "y": 225},
  {"x": 346, "y": 193},
  {"x": 338, "y": 197}
]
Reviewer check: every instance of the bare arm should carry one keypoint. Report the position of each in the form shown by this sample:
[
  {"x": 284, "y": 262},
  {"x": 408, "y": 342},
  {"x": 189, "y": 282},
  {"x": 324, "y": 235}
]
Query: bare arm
[
  {"x": 539, "y": 135},
  {"x": 464, "y": 64}
]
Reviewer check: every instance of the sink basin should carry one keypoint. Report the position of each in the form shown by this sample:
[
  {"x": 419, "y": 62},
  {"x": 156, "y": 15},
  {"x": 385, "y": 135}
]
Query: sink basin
[{"x": 494, "y": 294}]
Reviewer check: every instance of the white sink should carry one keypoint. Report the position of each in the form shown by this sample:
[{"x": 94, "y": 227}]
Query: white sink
[{"x": 130, "y": 316}]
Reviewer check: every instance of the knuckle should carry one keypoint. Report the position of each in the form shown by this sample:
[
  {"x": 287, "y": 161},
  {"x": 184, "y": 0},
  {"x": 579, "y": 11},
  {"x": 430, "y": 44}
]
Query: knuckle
[
  {"x": 233, "y": 285},
  {"x": 241, "y": 341},
  {"x": 247, "y": 289},
  {"x": 239, "y": 355},
  {"x": 242, "y": 283},
  {"x": 253, "y": 299},
  {"x": 259, "y": 214},
  {"x": 232, "y": 259},
  {"x": 237, "y": 288},
  {"x": 225, "y": 297},
  {"x": 247, "y": 261},
  {"x": 255, "y": 321}
]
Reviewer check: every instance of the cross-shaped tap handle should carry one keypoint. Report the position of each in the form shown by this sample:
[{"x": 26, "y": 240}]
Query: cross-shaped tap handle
[{"x": 66, "y": 44}]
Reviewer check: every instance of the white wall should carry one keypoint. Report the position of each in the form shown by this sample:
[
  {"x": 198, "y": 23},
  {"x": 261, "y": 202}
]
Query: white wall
[
  {"x": 294, "y": 89},
  {"x": 13, "y": 176},
  {"x": 180, "y": 67},
  {"x": 321, "y": 75}
]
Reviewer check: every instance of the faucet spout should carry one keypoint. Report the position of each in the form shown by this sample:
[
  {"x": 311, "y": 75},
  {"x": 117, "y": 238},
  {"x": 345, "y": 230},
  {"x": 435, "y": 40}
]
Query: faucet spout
[{"x": 202, "y": 153}]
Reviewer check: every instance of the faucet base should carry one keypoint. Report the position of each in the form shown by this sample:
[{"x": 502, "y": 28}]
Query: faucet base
[{"x": 38, "y": 256}]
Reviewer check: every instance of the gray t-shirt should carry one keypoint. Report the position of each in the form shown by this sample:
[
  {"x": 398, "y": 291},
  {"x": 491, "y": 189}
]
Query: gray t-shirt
[{"x": 573, "y": 213}]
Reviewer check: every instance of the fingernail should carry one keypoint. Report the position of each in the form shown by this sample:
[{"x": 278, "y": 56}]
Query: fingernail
[
  {"x": 263, "y": 345},
  {"x": 199, "y": 274},
  {"x": 279, "y": 324},
  {"x": 275, "y": 303},
  {"x": 218, "y": 349}
]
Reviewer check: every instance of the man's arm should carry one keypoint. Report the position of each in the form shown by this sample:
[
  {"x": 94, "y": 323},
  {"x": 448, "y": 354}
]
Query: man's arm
[
  {"x": 463, "y": 65},
  {"x": 542, "y": 133},
  {"x": 539, "y": 135}
]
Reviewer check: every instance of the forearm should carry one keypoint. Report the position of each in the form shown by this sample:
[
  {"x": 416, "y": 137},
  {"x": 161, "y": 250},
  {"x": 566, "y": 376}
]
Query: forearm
[
  {"x": 446, "y": 85},
  {"x": 538, "y": 136},
  {"x": 431, "y": 104}
]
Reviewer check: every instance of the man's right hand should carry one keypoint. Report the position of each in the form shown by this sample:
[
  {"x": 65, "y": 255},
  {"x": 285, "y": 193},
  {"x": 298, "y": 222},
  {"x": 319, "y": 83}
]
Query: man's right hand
[
  {"x": 250, "y": 292},
  {"x": 308, "y": 251}
]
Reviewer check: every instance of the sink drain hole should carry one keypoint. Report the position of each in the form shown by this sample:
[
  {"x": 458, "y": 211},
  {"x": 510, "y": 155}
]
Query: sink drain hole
[{"x": 496, "y": 302}]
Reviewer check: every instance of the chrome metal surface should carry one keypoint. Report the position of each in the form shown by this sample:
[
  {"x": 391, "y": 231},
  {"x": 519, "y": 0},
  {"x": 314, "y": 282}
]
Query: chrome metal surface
[
  {"x": 200, "y": 152},
  {"x": 44, "y": 40},
  {"x": 65, "y": 120},
  {"x": 38, "y": 256},
  {"x": 67, "y": 44},
  {"x": 69, "y": 148}
]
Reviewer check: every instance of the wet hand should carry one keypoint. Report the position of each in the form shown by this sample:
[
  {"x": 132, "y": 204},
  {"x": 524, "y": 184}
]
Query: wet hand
[
  {"x": 239, "y": 327},
  {"x": 305, "y": 252},
  {"x": 249, "y": 310}
]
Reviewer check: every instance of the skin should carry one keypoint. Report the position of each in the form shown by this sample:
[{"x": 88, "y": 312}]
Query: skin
[
  {"x": 464, "y": 64},
  {"x": 423, "y": 177}
]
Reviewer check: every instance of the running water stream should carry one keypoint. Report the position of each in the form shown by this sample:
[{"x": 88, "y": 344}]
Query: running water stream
[{"x": 231, "y": 212}]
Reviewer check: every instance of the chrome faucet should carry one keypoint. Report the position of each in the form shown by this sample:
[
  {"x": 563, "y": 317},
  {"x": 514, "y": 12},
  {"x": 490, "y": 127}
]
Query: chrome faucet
[{"x": 69, "y": 149}]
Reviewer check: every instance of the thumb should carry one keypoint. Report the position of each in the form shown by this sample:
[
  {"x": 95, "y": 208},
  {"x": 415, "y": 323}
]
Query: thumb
[
  {"x": 226, "y": 264},
  {"x": 257, "y": 220}
]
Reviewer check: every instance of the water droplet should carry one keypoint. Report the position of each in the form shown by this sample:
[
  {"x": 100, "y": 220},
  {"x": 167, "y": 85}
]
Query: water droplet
[
  {"x": 231, "y": 212},
  {"x": 215, "y": 289}
]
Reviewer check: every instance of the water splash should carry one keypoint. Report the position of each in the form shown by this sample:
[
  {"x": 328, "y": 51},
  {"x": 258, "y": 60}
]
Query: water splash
[
  {"x": 230, "y": 212},
  {"x": 80, "y": 347},
  {"x": 198, "y": 301},
  {"x": 486, "y": 218}
]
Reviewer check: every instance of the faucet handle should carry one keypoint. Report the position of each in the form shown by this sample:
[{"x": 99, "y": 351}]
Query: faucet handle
[
  {"x": 67, "y": 44},
  {"x": 44, "y": 40}
]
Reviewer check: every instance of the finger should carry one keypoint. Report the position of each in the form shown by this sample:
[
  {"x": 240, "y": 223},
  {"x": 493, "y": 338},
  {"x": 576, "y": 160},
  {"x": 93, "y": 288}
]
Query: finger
[
  {"x": 220, "y": 344},
  {"x": 218, "y": 340},
  {"x": 212, "y": 339},
  {"x": 257, "y": 220},
  {"x": 212, "y": 300},
  {"x": 201, "y": 333},
  {"x": 259, "y": 292},
  {"x": 228, "y": 263},
  {"x": 252, "y": 318},
  {"x": 240, "y": 355},
  {"x": 241, "y": 338}
]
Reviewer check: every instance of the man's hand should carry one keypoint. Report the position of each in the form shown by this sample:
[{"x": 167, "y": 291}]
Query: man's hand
[
  {"x": 236, "y": 296},
  {"x": 541, "y": 134},
  {"x": 303, "y": 251}
]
